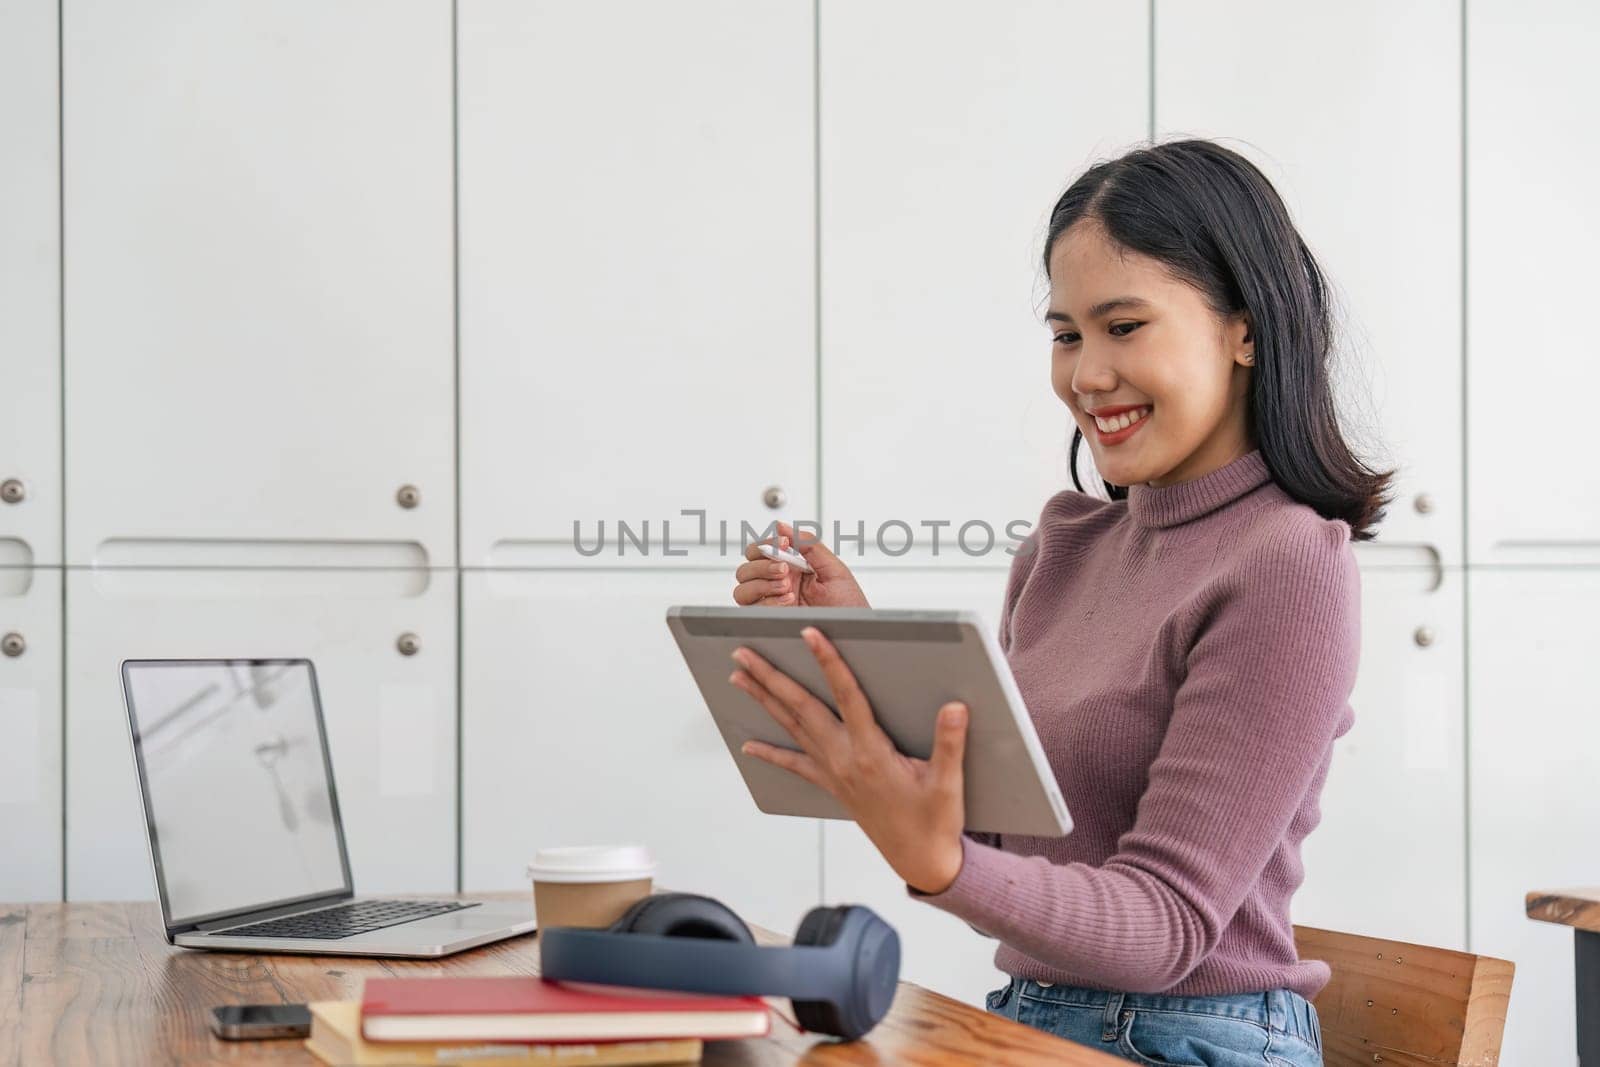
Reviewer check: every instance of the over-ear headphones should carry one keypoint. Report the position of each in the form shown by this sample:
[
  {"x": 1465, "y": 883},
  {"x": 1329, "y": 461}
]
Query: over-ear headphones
[{"x": 841, "y": 972}]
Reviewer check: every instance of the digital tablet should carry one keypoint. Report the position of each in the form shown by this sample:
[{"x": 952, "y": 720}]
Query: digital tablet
[{"x": 909, "y": 664}]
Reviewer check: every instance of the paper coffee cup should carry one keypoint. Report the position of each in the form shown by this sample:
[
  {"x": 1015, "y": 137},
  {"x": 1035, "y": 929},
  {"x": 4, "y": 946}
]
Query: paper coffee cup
[{"x": 589, "y": 885}]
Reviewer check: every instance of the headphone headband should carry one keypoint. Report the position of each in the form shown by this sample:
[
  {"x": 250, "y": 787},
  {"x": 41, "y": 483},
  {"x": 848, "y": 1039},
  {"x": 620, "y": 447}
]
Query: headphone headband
[
  {"x": 841, "y": 973},
  {"x": 692, "y": 965}
]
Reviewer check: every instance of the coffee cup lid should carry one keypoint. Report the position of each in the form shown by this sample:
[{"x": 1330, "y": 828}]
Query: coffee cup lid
[{"x": 592, "y": 863}]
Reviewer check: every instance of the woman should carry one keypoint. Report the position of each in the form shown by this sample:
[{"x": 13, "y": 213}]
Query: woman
[{"x": 1186, "y": 649}]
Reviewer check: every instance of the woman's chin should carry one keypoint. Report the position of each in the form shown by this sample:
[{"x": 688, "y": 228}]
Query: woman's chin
[{"x": 1116, "y": 466}]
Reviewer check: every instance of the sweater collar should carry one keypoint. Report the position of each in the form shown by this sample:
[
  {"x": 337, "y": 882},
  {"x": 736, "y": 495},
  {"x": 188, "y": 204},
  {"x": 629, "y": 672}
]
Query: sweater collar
[{"x": 1170, "y": 505}]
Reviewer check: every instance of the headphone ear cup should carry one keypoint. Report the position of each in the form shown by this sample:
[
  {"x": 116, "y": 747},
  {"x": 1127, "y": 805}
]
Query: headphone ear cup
[
  {"x": 818, "y": 929},
  {"x": 820, "y": 926},
  {"x": 873, "y": 950},
  {"x": 686, "y": 915},
  {"x": 627, "y": 920},
  {"x": 818, "y": 1017}
]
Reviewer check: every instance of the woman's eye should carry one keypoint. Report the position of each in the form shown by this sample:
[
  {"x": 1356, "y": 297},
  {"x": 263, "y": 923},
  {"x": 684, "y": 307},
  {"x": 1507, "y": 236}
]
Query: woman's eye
[
  {"x": 1065, "y": 338},
  {"x": 1123, "y": 329}
]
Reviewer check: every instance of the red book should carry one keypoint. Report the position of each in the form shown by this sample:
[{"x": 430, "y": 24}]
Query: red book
[{"x": 535, "y": 1009}]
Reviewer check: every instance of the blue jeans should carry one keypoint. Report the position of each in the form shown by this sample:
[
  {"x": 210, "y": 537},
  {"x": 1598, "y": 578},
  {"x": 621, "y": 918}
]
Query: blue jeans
[{"x": 1277, "y": 1028}]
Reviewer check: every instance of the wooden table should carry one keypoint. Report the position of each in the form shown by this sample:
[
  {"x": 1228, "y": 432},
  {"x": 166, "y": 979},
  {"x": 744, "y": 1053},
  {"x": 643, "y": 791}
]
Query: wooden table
[
  {"x": 1579, "y": 909},
  {"x": 98, "y": 984}
]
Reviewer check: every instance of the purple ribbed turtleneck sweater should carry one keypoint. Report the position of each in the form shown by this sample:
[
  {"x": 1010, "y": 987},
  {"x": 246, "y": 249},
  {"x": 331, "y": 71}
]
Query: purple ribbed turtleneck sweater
[{"x": 1187, "y": 657}]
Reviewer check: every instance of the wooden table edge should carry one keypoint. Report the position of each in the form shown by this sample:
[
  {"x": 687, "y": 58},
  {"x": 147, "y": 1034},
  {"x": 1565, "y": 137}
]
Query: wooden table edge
[
  {"x": 1577, "y": 908},
  {"x": 108, "y": 986}
]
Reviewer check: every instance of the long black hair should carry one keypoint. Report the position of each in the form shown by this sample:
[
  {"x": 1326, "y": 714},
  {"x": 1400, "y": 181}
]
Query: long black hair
[{"x": 1215, "y": 221}]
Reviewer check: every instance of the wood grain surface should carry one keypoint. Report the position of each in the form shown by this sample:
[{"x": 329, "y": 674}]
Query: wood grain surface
[
  {"x": 1407, "y": 1005},
  {"x": 86, "y": 983},
  {"x": 1578, "y": 908}
]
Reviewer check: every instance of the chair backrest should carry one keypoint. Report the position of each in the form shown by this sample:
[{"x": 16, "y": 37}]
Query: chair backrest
[{"x": 1406, "y": 1005}]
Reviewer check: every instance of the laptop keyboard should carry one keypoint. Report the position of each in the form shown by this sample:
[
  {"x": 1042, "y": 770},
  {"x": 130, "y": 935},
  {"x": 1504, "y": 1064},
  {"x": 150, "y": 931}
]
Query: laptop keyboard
[{"x": 347, "y": 920}]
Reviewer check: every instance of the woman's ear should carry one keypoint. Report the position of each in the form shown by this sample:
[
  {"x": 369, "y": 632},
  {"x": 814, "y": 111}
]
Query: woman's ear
[{"x": 1241, "y": 334}]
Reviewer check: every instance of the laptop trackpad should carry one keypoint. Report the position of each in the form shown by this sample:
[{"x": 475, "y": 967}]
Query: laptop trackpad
[{"x": 482, "y": 917}]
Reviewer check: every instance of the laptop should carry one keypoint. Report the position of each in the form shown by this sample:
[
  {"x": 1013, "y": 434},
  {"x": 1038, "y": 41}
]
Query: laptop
[{"x": 243, "y": 821}]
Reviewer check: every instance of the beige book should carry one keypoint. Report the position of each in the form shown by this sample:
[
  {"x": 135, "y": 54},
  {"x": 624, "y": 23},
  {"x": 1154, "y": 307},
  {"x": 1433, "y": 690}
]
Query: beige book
[{"x": 336, "y": 1039}]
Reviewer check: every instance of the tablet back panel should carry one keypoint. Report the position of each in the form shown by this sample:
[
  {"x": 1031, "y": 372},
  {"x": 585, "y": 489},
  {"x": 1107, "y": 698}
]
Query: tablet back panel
[{"x": 909, "y": 664}]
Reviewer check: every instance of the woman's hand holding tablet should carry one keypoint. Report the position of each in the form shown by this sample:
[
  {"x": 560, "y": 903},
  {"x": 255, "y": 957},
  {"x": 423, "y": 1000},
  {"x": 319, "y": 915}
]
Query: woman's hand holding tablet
[
  {"x": 911, "y": 809},
  {"x": 866, "y": 696},
  {"x": 854, "y": 760}
]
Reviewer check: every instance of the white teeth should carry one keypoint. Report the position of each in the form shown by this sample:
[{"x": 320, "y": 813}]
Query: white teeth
[{"x": 1121, "y": 422}]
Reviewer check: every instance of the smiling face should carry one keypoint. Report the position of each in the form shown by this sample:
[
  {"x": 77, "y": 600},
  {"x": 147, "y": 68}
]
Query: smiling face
[{"x": 1126, "y": 334}]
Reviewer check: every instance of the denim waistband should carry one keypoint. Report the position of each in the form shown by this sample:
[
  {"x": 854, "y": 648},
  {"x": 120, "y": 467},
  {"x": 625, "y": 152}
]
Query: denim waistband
[{"x": 1278, "y": 1010}]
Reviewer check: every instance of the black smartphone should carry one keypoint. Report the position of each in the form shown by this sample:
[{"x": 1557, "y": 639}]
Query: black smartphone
[{"x": 248, "y": 1022}]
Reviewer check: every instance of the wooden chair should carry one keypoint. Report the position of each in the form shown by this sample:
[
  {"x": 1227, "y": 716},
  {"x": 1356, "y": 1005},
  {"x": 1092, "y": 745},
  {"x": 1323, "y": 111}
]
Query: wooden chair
[{"x": 1407, "y": 1005}]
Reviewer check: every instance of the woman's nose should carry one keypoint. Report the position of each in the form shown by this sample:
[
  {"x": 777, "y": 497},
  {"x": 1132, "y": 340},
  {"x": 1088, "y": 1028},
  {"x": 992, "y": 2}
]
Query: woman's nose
[{"x": 1093, "y": 374}]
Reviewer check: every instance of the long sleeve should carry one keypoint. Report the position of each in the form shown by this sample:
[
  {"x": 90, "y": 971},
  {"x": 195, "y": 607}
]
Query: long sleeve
[{"x": 1264, "y": 692}]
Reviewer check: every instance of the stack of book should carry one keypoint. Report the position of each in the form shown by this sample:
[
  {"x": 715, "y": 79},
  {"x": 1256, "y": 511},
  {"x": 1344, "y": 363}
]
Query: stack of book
[{"x": 496, "y": 1022}]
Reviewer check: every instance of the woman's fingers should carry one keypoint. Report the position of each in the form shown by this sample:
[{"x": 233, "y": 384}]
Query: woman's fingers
[
  {"x": 763, "y": 581},
  {"x": 853, "y": 706},
  {"x": 815, "y": 552},
  {"x": 798, "y": 762},
  {"x": 782, "y": 538},
  {"x": 815, "y": 717},
  {"x": 762, "y": 568},
  {"x": 950, "y": 745},
  {"x": 762, "y": 590},
  {"x": 780, "y": 712}
]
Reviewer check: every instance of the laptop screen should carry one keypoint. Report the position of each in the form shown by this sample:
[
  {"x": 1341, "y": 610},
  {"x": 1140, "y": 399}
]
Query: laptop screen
[{"x": 237, "y": 785}]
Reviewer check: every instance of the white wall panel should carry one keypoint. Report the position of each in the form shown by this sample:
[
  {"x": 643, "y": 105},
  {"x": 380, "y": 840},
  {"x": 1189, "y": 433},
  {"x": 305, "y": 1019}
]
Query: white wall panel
[
  {"x": 1393, "y": 828},
  {"x": 259, "y": 283},
  {"x": 30, "y": 734},
  {"x": 1533, "y": 223},
  {"x": 30, "y": 284},
  {"x": 391, "y": 718},
  {"x": 581, "y": 725},
  {"x": 637, "y": 268}
]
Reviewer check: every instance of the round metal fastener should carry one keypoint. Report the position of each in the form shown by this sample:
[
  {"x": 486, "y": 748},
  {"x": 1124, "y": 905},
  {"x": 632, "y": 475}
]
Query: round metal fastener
[
  {"x": 1423, "y": 503},
  {"x": 774, "y": 496},
  {"x": 409, "y": 644},
  {"x": 408, "y": 496},
  {"x": 1423, "y": 636},
  {"x": 13, "y": 645},
  {"x": 12, "y": 490}
]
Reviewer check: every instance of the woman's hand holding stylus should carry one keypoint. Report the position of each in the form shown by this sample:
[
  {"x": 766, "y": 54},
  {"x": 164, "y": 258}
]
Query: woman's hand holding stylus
[{"x": 772, "y": 583}]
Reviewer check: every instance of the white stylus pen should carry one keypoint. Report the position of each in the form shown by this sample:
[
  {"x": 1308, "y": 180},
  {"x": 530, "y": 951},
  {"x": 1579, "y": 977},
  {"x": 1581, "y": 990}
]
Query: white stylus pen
[{"x": 790, "y": 556}]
